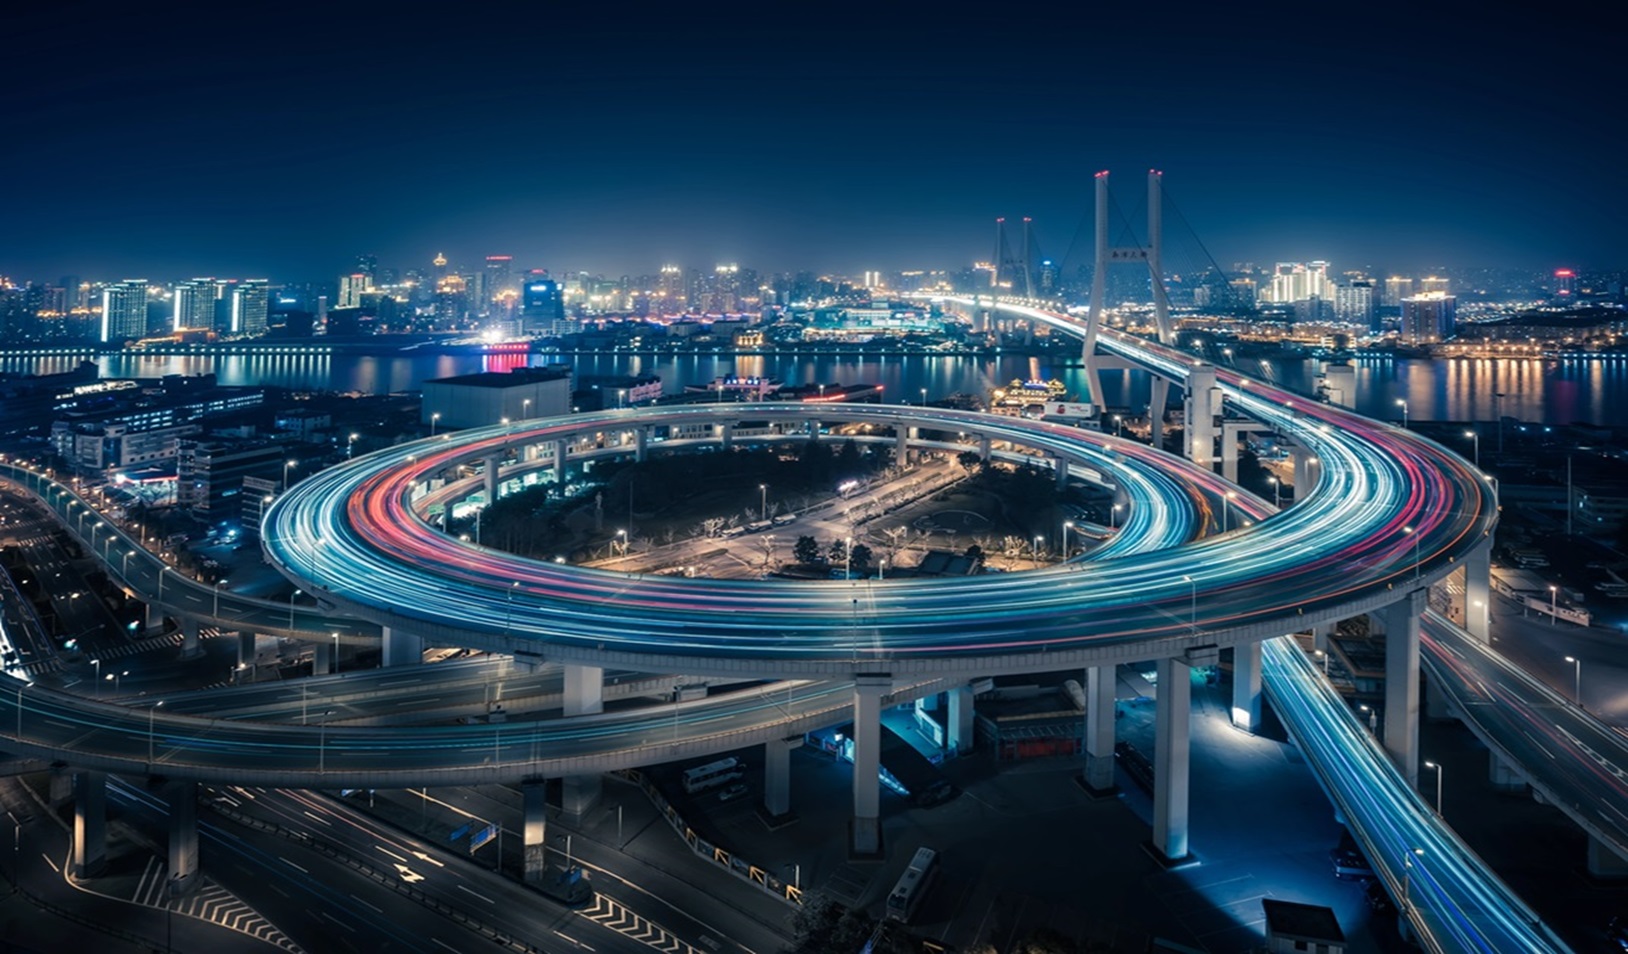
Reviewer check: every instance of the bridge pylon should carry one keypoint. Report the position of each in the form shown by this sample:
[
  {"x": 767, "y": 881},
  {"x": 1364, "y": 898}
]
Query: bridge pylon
[{"x": 1152, "y": 254}]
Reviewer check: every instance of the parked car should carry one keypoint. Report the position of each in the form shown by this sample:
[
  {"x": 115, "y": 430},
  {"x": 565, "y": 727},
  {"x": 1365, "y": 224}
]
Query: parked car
[{"x": 732, "y": 792}]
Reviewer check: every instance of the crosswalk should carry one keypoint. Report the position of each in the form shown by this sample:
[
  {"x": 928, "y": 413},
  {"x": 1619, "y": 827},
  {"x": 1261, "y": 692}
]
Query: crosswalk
[
  {"x": 152, "y": 644},
  {"x": 618, "y": 918},
  {"x": 210, "y": 902}
]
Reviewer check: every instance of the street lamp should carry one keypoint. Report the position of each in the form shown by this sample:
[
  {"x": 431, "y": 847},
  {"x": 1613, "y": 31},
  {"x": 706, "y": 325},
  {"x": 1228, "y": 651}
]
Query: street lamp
[
  {"x": 291, "y": 607},
  {"x": 848, "y": 558},
  {"x": 1037, "y": 540},
  {"x": 1276, "y": 504},
  {"x": 923, "y": 397},
  {"x": 96, "y": 668},
  {"x": 433, "y": 418},
  {"x": 21, "y": 685},
  {"x": 124, "y": 565},
  {"x": 764, "y": 490},
  {"x": 1407, "y": 872},
  {"x": 525, "y": 407},
  {"x": 1226, "y": 510},
  {"x": 1113, "y": 517},
  {"x": 286, "y": 465},
  {"x": 1438, "y": 769},
  {"x": 322, "y": 743},
  {"x": 1404, "y": 405},
  {"x": 1067, "y": 526},
  {"x": 1410, "y": 531},
  {"x": 508, "y": 613},
  {"x": 1119, "y": 426},
  {"x": 1320, "y": 654},
  {"x": 1474, "y": 436},
  {"x": 1577, "y": 685},
  {"x": 1554, "y": 593},
  {"x": 1193, "y": 606}
]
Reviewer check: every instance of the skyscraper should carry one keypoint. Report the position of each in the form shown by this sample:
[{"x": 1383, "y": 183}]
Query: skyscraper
[
  {"x": 1354, "y": 303},
  {"x": 499, "y": 279},
  {"x": 1396, "y": 289},
  {"x": 1299, "y": 281},
  {"x": 195, "y": 304},
  {"x": 352, "y": 287},
  {"x": 1428, "y": 318},
  {"x": 124, "y": 310},
  {"x": 250, "y": 303},
  {"x": 541, "y": 302}
]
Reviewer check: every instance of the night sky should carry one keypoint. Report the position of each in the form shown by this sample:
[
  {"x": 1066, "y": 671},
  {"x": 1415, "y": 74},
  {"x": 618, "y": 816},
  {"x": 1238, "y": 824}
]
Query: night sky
[{"x": 282, "y": 142}]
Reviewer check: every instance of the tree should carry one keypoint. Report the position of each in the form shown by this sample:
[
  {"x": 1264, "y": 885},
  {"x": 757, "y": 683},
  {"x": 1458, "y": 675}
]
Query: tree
[
  {"x": 969, "y": 460},
  {"x": 838, "y": 552},
  {"x": 860, "y": 559},
  {"x": 806, "y": 550}
]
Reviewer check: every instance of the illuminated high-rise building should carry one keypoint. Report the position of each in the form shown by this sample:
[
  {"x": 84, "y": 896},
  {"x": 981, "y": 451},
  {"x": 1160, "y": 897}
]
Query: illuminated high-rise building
[
  {"x": 124, "y": 310},
  {"x": 1432, "y": 284},
  {"x": 1299, "y": 281},
  {"x": 1396, "y": 289},
  {"x": 352, "y": 287},
  {"x": 250, "y": 305},
  {"x": 1354, "y": 303},
  {"x": 541, "y": 302},
  {"x": 671, "y": 296},
  {"x": 1565, "y": 282},
  {"x": 195, "y": 304},
  {"x": 1429, "y": 318}
]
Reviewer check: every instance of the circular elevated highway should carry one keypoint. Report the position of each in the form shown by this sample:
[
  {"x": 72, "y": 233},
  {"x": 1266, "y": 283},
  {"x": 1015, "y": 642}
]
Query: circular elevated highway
[{"x": 1391, "y": 511}]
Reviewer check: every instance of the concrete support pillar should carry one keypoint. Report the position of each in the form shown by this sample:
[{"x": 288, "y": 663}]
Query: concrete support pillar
[
  {"x": 1158, "y": 399},
  {"x": 89, "y": 824},
  {"x": 866, "y": 830},
  {"x": 959, "y": 732},
  {"x": 1229, "y": 453},
  {"x": 191, "y": 638},
  {"x": 901, "y": 446},
  {"x": 1604, "y": 862},
  {"x": 1203, "y": 407},
  {"x": 490, "y": 475},
  {"x": 1402, "y": 683},
  {"x": 401, "y": 649},
  {"x": 1478, "y": 591},
  {"x": 1305, "y": 472},
  {"x": 61, "y": 786},
  {"x": 1060, "y": 466},
  {"x": 726, "y": 435},
  {"x": 1320, "y": 636},
  {"x": 814, "y": 430},
  {"x": 560, "y": 454},
  {"x": 1502, "y": 774},
  {"x": 1246, "y": 686},
  {"x": 1100, "y": 711},
  {"x": 641, "y": 444},
  {"x": 1172, "y": 729},
  {"x": 983, "y": 448},
  {"x": 322, "y": 658},
  {"x": 777, "y": 775},
  {"x": 534, "y": 798},
  {"x": 246, "y": 652},
  {"x": 183, "y": 805},
  {"x": 584, "y": 692}
]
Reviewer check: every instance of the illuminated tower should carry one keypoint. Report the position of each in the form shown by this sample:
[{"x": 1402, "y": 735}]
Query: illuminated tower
[
  {"x": 195, "y": 304},
  {"x": 1150, "y": 254},
  {"x": 124, "y": 310},
  {"x": 250, "y": 305}
]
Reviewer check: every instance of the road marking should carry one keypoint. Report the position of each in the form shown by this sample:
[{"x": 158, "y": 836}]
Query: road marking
[
  {"x": 390, "y": 853},
  {"x": 476, "y": 894},
  {"x": 366, "y": 905},
  {"x": 446, "y": 945},
  {"x": 335, "y": 920},
  {"x": 291, "y": 864},
  {"x": 315, "y": 818},
  {"x": 50, "y": 862}
]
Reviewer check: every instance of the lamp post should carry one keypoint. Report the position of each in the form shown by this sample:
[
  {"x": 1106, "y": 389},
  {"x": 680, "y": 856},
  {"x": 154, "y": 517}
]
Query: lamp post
[
  {"x": 1113, "y": 517},
  {"x": 1276, "y": 504},
  {"x": 21, "y": 685},
  {"x": 96, "y": 668},
  {"x": 676, "y": 688},
  {"x": 322, "y": 742},
  {"x": 763, "y": 489},
  {"x": 525, "y": 408},
  {"x": 1433, "y": 765},
  {"x": 848, "y": 558},
  {"x": 1119, "y": 426},
  {"x": 1226, "y": 510},
  {"x": 350, "y": 446},
  {"x": 1554, "y": 593},
  {"x": 1320, "y": 654},
  {"x": 923, "y": 397},
  {"x": 1193, "y": 605},
  {"x": 1067, "y": 526},
  {"x": 1403, "y": 404},
  {"x": 508, "y": 613},
  {"x": 1407, "y": 873},
  {"x": 1577, "y": 679},
  {"x": 1412, "y": 532},
  {"x": 124, "y": 565},
  {"x": 286, "y": 465},
  {"x": 433, "y": 418},
  {"x": 1476, "y": 437},
  {"x": 215, "y": 613},
  {"x": 1036, "y": 551},
  {"x": 333, "y": 664},
  {"x": 291, "y": 607}
]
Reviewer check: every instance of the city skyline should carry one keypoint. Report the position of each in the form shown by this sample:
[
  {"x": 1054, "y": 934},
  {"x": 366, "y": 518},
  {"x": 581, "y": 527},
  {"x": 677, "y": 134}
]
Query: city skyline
[{"x": 821, "y": 145}]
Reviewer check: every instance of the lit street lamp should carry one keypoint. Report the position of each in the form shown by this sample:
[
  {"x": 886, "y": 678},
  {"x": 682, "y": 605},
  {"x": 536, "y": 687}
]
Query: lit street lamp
[
  {"x": 1407, "y": 873},
  {"x": 1554, "y": 593},
  {"x": 1226, "y": 510},
  {"x": 286, "y": 466},
  {"x": 1276, "y": 500},
  {"x": 923, "y": 397},
  {"x": 1577, "y": 684},
  {"x": 1067, "y": 526},
  {"x": 1194, "y": 604},
  {"x": 350, "y": 446},
  {"x": 150, "y": 712},
  {"x": 1113, "y": 517},
  {"x": 1476, "y": 437},
  {"x": 433, "y": 418},
  {"x": 1404, "y": 405},
  {"x": 1438, "y": 769},
  {"x": 764, "y": 490},
  {"x": 1410, "y": 531}
]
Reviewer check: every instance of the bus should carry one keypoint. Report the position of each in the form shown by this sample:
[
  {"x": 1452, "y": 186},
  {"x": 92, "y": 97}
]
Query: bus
[
  {"x": 703, "y": 777},
  {"x": 906, "y": 896}
]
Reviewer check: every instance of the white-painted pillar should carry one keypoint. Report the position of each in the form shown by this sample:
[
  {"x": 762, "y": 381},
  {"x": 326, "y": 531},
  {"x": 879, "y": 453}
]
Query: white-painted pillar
[
  {"x": 534, "y": 839},
  {"x": 869, "y": 688},
  {"x": 1101, "y": 683},
  {"x": 1158, "y": 398},
  {"x": 584, "y": 695},
  {"x": 183, "y": 844},
  {"x": 1402, "y": 683},
  {"x": 401, "y": 649},
  {"x": 726, "y": 435},
  {"x": 89, "y": 823},
  {"x": 1229, "y": 453},
  {"x": 322, "y": 658},
  {"x": 1172, "y": 730},
  {"x": 959, "y": 728},
  {"x": 1478, "y": 591},
  {"x": 1060, "y": 466},
  {"x": 641, "y": 444},
  {"x": 560, "y": 454},
  {"x": 490, "y": 475},
  {"x": 1246, "y": 686},
  {"x": 777, "y": 775},
  {"x": 191, "y": 638},
  {"x": 1203, "y": 407}
]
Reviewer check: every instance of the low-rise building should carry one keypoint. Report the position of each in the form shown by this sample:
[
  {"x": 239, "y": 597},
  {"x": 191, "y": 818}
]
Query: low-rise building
[{"x": 489, "y": 397}]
